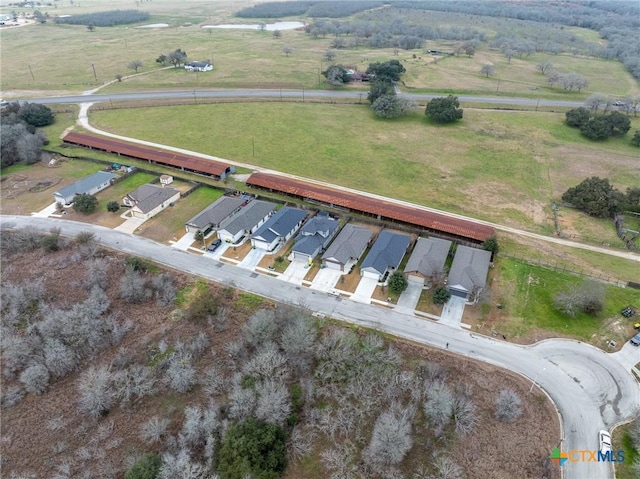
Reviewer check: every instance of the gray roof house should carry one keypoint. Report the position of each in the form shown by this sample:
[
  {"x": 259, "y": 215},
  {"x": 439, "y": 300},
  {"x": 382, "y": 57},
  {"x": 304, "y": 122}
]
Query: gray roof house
[
  {"x": 149, "y": 200},
  {"x": 214, "y": 214},
  {"x": 468, "y": 274},
  {"x": 346, "y": 249},
  {"x": 89, "y": 186},
  {"x": 385, "y": 254},
  {"x": 245, "y": 221},
  {"x": 278, "y": 229},
  {"x": 427, "y": 259},
  {"x": 314, "y": 236}
]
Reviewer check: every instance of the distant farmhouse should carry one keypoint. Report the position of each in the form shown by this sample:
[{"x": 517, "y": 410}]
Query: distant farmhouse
[
  {"x": 204, "y": 66},
  {"x": 149, "y": 200},
  {"x": 86, "y": 186}
]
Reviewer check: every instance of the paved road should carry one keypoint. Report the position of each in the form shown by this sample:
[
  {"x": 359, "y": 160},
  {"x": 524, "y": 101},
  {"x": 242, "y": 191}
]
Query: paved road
[
  {"x": 288, "y": 94},
  {"x": 591, "y": 389}
]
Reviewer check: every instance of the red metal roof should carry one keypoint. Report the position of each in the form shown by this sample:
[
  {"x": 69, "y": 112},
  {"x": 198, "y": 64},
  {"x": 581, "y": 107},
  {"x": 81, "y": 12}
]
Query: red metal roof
[
  {"x": 357, "y": 202},
  {"x": 179, "y": 160}
]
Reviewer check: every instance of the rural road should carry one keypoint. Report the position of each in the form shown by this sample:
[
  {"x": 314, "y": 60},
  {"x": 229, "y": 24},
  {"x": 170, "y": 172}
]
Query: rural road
[
  {"x": 591, "y": 389},
  {"x": 289, "y": 94}
]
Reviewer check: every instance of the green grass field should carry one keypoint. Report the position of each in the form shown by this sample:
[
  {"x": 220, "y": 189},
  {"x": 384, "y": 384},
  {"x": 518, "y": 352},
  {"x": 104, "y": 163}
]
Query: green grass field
[
  {"x": 527, "y": 293},
  {"x": 502, "y": 166}
]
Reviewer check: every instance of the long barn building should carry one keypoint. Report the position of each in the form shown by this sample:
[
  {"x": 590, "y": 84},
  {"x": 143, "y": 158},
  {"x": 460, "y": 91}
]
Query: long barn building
[
  {"x": 181, "y": 161},
  {"x": 385, "y": 210}
]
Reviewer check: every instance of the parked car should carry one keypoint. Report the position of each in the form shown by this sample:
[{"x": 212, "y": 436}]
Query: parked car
[
  {"x": 635, "y": 340},
  {"x": 604, "y": 439},
  {"x": 214, "y": 246},
  {"x": 628, "y": 312}
]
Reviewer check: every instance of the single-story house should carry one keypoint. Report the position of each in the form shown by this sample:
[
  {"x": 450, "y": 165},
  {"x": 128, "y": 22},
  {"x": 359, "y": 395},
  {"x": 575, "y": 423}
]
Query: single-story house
[
  {"x": 149, "y": 200},
  {"x": 468, "y": 275},
  {"x": 385, "y": 254},
  {"x": 246, "y": 221},
  {"x": 204, "y": 66},
  {"x": 214, "y": 214},
  {"x": 86, "y": 186},
  {"x": 346, "y": 249},
  {"x": 278, "y": 229},
  {"x": 427, "y": 260},
  {"x": 314, "y": 236}
]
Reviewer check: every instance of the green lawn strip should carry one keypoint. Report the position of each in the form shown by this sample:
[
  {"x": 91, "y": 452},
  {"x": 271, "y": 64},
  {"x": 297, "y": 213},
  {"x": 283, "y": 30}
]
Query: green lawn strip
[
  {"x": 622, "y": 440},
  {"x": 172, "y": 219},
  {"x": 531, "y": 305},
  {"x": 118, "y": 191}
]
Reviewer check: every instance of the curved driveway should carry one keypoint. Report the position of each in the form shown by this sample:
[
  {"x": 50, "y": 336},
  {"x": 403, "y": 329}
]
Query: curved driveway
[{"x": 591, "y": 389}]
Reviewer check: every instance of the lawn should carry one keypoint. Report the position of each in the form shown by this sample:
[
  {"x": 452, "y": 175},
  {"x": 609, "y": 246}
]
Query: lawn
[
  {"x": 169, "y": 224},
  {"x": 526, "y": 293},
  {"x": 500, "y": 166},
  {"x": 622, "y": 440},
  {"x": 118, "y": 191}
]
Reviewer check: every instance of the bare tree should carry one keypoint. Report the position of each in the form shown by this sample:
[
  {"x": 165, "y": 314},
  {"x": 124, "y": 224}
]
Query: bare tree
[
  {"x": 181, "y": 466},
  {"x": 165, "y": 289},
  {"x": 58, "y": 357},
  {"x": 97, "y": 394},
  {"x": 241, "y": 402},
  {"x": 180, "y": 374},
  {"x": 587, "y": 297},
  {"x": 544, "y": 66},
  {"x": 277, "y": 34},
  {"x": 135, "y": 65},
  {"x": 330, "y": 55},
  {"x": 154, "y": 429},
  {"x": 261, "y": 328},
  {"x": 35, "y": 378},
  {"x": 133, "y": 286},
  {"x": 439, "y": 405},
  {"x": 508, "y": 405},
  {"x": 273, "y": 405},
  {"x": 11, "y": 396},
  {"x": 446, "y": 468},
  {"x": 487, "y": 69},
  {"x": 214, "y": 381},
  {"x": 135, "y": 382},
  {"x": 464, "y": 414},
  {"x": 96, "y": 273},
  {"x": 287, "y": 51},
  {"x": 391, "y": 437}
]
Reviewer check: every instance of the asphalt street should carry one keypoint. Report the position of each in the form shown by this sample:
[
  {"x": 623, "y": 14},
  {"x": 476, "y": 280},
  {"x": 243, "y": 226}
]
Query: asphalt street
[{"x": 590, "y": 388}]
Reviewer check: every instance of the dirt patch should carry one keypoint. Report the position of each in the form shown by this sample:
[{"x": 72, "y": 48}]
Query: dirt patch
[{"x": 18, "y": 184}]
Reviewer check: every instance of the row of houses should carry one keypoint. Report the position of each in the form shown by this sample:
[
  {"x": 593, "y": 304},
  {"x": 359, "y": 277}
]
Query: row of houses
[{"x": 236, "y": 217}]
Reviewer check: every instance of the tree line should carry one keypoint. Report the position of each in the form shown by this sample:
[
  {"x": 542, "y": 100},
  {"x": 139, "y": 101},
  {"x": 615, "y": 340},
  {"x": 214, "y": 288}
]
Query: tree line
[
  {"x": 105, "y": 19},
  {"x": 331, "y": 9},
  {"x": 20, "y": 139}
]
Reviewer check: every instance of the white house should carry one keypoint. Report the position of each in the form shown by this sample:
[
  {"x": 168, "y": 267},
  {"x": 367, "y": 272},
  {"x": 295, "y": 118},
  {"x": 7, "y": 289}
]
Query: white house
[
  {"x": 86, "y": 186},
  {"x": 204, "y": 66},
  {"x": 314, "y": 236},
  {"x": 346, "y": 249},
  {"x": 246, "y": 221},
  {"x": 385, "y": 255},
  {"x": 278, "y": 229},
  {"x": 149, "y": 200}
]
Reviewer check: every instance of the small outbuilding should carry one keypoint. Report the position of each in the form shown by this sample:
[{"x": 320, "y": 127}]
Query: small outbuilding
[
  {"x": 385, "y": 255},
  {"x": 86, "y": 186},
  {"x": 203, "y": 66},
  {"x": 346, "y": 249},
  {"x": 278, "y": 229},
  {"x": 149, "y": 200}
]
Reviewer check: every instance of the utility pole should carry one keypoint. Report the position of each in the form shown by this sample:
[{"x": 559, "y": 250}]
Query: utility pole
[
  {"x": 31, "y": 71},
  {"x": 94, "y": 72}
]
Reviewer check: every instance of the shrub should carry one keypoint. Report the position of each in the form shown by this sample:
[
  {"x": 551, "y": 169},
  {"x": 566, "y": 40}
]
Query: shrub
[
  {"x": 113, "y": 206},
  {"x": 441, "y": 295},
  {"x": 84, "y": 203},
  {"x": 133, "y": 286},
  {"x": 154, "y": 429},
  {"x": 444, "y": 110},
  {"x": 97, "y": 394},
  {"x": 36, "y": 114},
  {"x": 391, "y": 438},
  {"x": 147, "y": 467},
  {"x": 508, "y": 406},
  {"x": 398, "y": 282},
  {"x": 252, "y": 448}
]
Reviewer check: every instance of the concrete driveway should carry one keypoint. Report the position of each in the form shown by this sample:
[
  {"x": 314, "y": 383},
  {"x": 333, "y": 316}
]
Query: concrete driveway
[
  {"x": 365, "y": 289},
  {"x": 219, "y": 251},
  {"x": 49, "y": 210},
  {"x": 327, "y": 280},
  {"x": 410, "y": 296},
  {"x": 628, "y": 356},
  {"x": 130, "y": 225},
  {"x": 452, "y": 311},
  {"x": 295, "y": 273},
  {"x": 252, "y": 259},
  {"x": 185, "y": 242}
]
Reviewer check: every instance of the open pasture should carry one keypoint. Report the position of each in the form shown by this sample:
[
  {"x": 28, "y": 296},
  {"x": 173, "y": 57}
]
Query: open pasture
[{"x": 501, "y": 166}]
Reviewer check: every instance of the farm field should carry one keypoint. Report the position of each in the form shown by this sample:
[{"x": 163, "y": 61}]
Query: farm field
[
  {"x": 255, "y": 59},
  {"x": 505, "y": 167}
]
